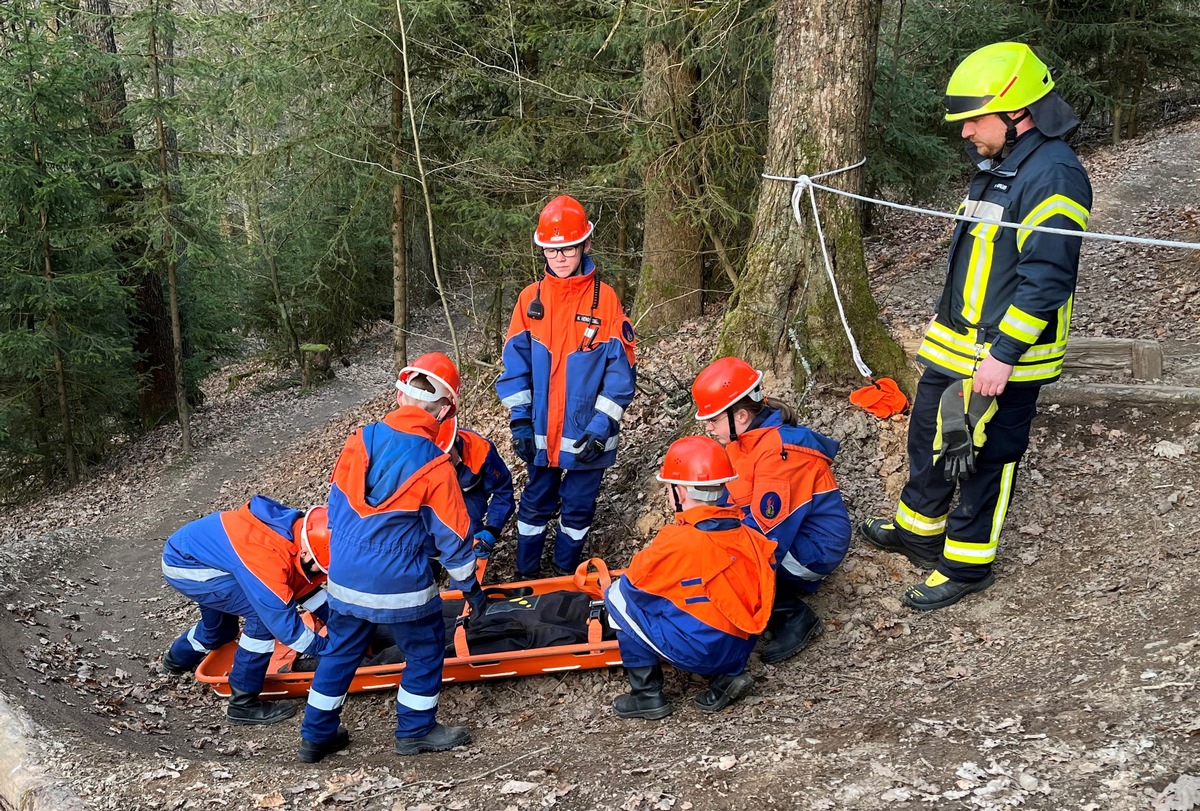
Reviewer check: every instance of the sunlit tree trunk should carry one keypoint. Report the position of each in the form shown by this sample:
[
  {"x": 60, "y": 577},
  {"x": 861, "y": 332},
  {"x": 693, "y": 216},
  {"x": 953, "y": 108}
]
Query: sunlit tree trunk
[{"x": 785, "y": 314}]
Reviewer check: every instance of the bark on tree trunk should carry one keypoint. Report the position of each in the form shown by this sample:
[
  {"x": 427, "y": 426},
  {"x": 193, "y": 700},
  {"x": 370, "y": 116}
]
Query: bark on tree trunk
[
  {"x": 151, "y": 322},
  {"x": 672, "y": 275},
  {"x": 819, "y": 114},
  {"x": 168, "y": 247}
]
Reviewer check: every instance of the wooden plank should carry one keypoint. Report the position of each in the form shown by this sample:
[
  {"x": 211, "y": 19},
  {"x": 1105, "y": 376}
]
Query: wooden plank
[
  {"x": 1147, "y": 360},
  {"x": 1095, "y": 394},
  {"x": 1131, "y": 357}
]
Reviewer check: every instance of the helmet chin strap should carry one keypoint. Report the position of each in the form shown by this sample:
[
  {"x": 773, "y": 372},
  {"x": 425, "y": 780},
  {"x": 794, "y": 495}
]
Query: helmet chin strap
[
  {"x": 732, "y": 426},
  {"x": 675, "y": 498},
  {"x": 1010, "y": 131}
]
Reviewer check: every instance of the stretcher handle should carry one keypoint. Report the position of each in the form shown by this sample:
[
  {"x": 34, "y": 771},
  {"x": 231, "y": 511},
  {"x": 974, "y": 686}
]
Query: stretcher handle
[{"x": 603, "y": 578}]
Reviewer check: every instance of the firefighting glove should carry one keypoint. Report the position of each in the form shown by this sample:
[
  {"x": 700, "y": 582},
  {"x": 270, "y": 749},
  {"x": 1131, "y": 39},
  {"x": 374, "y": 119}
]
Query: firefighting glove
[
  {"x": 952, "y": 439},
  {"x": 522, "y": 442},
  {"x": 478, "y": 600},
  {"x": 485, "y": 542},
  {"x": 980, "y": 410},
  {"x": 962, "y": 429}
]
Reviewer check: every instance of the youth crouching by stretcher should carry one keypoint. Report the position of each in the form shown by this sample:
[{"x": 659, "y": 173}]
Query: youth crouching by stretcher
[{"x": 698, "y": 595}]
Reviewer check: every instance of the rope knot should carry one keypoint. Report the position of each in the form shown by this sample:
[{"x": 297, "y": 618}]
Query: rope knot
[{"x": 803, "y": 182}]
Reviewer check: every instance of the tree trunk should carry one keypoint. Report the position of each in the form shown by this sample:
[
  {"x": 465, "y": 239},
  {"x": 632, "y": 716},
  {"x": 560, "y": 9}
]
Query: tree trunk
[
  {"x": 672, "y": 274},
  {"x": 60, "y": 364},
  {"x": 168, "y": 244},
  {"x": 819, "y": 114},
  {"x": 399, "y": 248},
  {"x": 151, "y": 321}
]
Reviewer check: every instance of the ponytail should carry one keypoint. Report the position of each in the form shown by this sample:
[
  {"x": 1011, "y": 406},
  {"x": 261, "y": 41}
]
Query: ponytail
[{"x": 786, "y": 412}]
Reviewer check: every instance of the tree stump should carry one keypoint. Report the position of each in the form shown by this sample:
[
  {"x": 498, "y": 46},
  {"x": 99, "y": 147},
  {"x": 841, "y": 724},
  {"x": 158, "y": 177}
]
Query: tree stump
[{"x": 317, "y": 366}]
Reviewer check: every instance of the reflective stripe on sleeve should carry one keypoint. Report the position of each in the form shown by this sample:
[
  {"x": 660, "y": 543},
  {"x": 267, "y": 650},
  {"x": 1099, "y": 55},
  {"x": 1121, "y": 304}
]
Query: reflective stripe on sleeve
[
  {"x": 520, "y": 398},
  {"x": 194, "y": 575},
  {"x": 301, "y": 644},
  {"x": 607, "y": 406}
]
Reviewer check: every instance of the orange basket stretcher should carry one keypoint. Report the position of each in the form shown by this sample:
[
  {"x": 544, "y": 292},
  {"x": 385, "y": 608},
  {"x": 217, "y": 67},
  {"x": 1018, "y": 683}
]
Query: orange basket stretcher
[{"x": 592, "y": 577}]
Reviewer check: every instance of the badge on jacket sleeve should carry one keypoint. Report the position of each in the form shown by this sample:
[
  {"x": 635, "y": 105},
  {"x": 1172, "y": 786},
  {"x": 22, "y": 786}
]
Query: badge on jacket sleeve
[
  {"x": 627, "y": 332},
  {"x": 769, "y": 505}
]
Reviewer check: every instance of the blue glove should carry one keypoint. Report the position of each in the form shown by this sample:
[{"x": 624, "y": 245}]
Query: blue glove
[
  {"x": 485, "y": 542},
  {"x": 478, "y": 601},
  {"x": 522, "y": 442}
]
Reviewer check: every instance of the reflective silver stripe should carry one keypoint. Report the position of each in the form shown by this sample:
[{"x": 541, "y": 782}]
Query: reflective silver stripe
[
  {"x": 574, "y": 534},
  {"x": 320, "y": 701},
  {"x": 530, "y": 529},
  {"x": 616, "y": 605},
  {"x": 316, "y": 601},
  {"x": 523, "y": 397},
  {"x": 301, "y": 644},
  {"x": 415, "y": 702},
  {"x": 539, "y": 441},
  {"x": 463, "y": 572},
  {"x": 365, "y": 599},
  {"x": 607, "y": 406},
  {"x": 195, "y": 575},
  {"x": 191, "y": 637},
  {"x": 568, "y": 445},
  {"x": 798, "y": 569},
  {"x": 983, "y": 210},
  {"x": 256, "y": 645}
]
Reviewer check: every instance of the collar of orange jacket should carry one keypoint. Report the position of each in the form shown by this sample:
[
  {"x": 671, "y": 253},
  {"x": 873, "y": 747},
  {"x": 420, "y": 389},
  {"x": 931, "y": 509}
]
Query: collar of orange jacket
[
  {"x": 413, "y": 420},
  {"x": 694, "y": 515}
]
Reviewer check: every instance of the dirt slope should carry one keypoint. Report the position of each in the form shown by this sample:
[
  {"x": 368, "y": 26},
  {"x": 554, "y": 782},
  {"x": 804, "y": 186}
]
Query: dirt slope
[{"x": 1071, "y": 684}]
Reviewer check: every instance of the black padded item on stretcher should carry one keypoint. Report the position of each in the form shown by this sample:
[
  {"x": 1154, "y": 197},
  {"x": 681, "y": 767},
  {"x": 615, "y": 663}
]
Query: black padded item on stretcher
[{"x": 514, "y": 621}]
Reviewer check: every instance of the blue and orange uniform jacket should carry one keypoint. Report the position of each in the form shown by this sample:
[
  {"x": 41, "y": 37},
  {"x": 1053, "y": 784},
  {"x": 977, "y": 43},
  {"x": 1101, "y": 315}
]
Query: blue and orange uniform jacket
[
  {"x": 254, "y": 548},
  {"x": 486, "y": 482},
  {"x": 786, "y": 490},
  {"x": 566, "y": 382},
  {"x": 394, "y": 491},
  {"x": 700, "y": 593}
]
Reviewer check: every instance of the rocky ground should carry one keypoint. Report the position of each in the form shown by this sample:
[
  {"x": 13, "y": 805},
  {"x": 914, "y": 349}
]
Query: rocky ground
[{"x": 1071, "y": 684}]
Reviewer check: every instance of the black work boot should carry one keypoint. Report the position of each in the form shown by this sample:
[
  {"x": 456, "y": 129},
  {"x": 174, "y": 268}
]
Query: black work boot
[
  {"x": 723, "y": 691},
  {"x": 939, "y": 591},
  {"x": 310, "y": 752},
  {"x": 173, "y": 667},
  {"x": 559, "y": 571},
  {"x": 248, "y": 708},
  {"x": 437, "y": 739},
  {"x": 881, "y": 534},
  {"x": 645, "y": 698},
  {"x": 799, "y": 626},
  {"x": 536, "y": 574}
]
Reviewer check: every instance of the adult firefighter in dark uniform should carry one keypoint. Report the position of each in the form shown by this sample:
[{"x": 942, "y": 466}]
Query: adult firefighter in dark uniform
[{"x": 1000, "y": 331}]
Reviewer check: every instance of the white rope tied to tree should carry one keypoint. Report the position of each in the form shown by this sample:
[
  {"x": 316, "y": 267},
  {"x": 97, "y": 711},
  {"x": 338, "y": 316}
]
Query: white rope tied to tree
[{"x": 808, "y": 182}]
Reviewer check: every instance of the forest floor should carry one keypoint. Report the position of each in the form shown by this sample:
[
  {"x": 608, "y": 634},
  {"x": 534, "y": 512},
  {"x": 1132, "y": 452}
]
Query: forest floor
[{"x": 1070, "y": 684}]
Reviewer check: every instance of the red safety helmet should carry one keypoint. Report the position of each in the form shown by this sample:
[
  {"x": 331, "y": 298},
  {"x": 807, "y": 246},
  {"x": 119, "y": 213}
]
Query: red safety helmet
[
  {"x": 562, "y": 222},
  {"x": 722, "y": 383},
  {"x": 440, "y": 371},
  {"x": 447, "y": 433},
  {"x": 312, "y": 531}
]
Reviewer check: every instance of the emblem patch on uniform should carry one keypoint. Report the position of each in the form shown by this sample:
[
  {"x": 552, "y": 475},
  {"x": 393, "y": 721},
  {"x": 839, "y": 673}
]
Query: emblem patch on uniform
[
  {"x": 770, "y": 504},
  {"x": 1000, "y": 186},
  {"x": 627, "y": 332}
]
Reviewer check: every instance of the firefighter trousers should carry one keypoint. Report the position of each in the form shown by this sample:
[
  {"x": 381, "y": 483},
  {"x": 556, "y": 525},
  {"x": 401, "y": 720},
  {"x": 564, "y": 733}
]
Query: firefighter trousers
[{"x": 966, "y": 538}]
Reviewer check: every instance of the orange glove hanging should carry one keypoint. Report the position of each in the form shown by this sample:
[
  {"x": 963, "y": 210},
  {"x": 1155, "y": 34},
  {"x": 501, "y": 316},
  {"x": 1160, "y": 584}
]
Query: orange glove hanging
[{"x": 882, "y": 398}]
